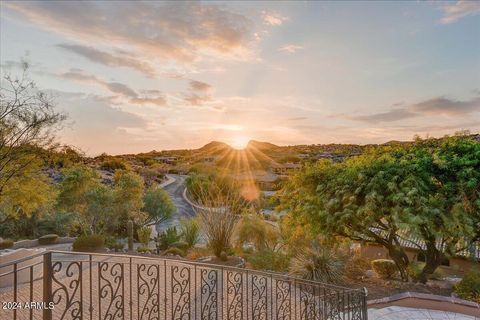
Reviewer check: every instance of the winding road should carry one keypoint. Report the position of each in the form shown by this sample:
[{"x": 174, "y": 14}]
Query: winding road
[{"x": 184, "y": 209}]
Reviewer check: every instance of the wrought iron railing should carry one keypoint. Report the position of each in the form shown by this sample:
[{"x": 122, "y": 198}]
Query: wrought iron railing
[{"x": 73, "y": 285}]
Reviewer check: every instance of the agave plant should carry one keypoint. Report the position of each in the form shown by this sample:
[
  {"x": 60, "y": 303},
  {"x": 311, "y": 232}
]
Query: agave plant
[{"x": 317, "y": 263}]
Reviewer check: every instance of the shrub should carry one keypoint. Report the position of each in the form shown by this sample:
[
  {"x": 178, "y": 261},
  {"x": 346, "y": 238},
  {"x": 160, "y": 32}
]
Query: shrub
[
  {"x": 182, "y": 245},
  {"x": 356, "y": 267},
  {"x": 88, "y": 243},
  {"x": 196, "y": 253},
  {"x": 144, "y": 235},
  {"x": 384, "y": 268},
  {"x": 268, "y": 260},
  {"x": 112, "y": 165},
  {"x": 48, "y": 239},
  {"x": 317, "y": 264},
  {"x": 174, "y": 251},
  {"x": 167, "y": 238},
  {"x": 190, "y": 232},
  {"x": 415, "y": 269},
  {"x": 114, "y": 244},
  {"x": 5, "y": 244},
  {"x": 469, "y": 287},
  {"x": 143, "y": 249}
]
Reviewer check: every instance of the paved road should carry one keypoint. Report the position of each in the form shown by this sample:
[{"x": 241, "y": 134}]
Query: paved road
[{"x": 184, "y": 209}]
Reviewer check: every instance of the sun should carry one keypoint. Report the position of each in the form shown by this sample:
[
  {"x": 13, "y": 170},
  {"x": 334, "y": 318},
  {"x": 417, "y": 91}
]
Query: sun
[{"x": 239, "y": 142}]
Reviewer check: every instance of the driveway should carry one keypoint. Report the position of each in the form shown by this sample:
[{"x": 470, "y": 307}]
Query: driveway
[{"x": 184, "y": 209}]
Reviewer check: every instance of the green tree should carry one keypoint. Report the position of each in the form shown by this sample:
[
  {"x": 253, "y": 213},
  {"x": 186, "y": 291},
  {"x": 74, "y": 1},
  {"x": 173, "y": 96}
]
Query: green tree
[
  {"x": 158, "y": 206},
  {"x": 81, "y": 192},
  {"x": 128, "y": 197},
  {"x": 428, "y": 190}
]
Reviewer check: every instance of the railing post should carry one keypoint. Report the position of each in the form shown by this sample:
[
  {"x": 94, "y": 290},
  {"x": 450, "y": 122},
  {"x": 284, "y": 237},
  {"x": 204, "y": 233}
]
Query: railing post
[
  {"x": 47, "y": 285},
  {"x": 364, "y": 303}
]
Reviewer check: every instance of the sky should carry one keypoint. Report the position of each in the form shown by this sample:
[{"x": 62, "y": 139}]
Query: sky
[{"x": 139, "y": 76}]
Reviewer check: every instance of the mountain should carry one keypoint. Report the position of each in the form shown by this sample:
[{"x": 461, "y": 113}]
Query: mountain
[
  {"x": 262, "y": 146},
  {"x": 215, "y": 147}
]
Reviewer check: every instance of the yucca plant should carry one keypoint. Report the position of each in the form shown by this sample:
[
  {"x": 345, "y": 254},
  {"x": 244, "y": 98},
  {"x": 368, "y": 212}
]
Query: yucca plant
[{"x": 317, "y": 263}]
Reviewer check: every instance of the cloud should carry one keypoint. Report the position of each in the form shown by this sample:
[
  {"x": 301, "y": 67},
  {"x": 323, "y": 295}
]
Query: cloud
[
  {"x": 180, "y": 31},
  {"x": 109, "y": 59},
  {"x": 199, "y": 86},
  {"x": 431, "y": 107},
  {"x": 290, "y": 48},
  {"x": 153, "y": 97},
  {"x": 195, "y": 99},
  {"x": 273, "y": 18},
  {"x": 458, "y": 10}
]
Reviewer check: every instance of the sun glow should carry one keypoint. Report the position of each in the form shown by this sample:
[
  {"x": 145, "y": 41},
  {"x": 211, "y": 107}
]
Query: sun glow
[{"x": 239, "y": 142}]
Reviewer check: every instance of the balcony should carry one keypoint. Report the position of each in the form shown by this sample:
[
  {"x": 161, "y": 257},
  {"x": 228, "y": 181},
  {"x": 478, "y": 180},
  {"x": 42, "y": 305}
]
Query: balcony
[{"x": 106, "y": 286}]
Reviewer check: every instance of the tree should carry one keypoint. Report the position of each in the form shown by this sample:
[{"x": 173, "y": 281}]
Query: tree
[
  {"x": 428, "y": 190},
  {"x": 82, "y": 192},
  {"x": 27, "y": 121},
  {"x": 158, "y": 206},
  {"x": 128, "y": 197}
]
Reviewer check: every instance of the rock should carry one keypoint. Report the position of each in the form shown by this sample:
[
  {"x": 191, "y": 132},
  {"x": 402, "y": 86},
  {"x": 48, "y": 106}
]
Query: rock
[{"x": 370, "y": 274}]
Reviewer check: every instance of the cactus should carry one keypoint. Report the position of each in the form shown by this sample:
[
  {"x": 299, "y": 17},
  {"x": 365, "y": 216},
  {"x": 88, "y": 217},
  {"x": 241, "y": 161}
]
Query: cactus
[{"x": 130, "y": 235}]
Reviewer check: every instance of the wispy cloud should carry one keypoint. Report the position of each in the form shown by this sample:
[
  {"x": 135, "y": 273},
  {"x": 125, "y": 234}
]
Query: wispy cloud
[
  {"x": 273, "y": 18},
  {"x": 110, "y": 59},
  {"x": 290, "y": 48},
  {"x": 153, "y": 97},
  {"x": 180, "y": 31},
  {"x": 199, "y": 86},
  {"x": 432, "y": 107},
  {"x": 460, "y": 9}
]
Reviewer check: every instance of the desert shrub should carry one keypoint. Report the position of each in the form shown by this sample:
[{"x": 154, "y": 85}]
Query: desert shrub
[
  {"x": 268, "y": 260},
  {"x": 196, "y": 253},
  {"x": 384, "y": 268},
  {"x": 48, "y": 239},
  {"x": 114, "y": 244},
  {"x": 253, "y": 229},
  {"x": 317, "y": 263},
  {"x": 469, "y": 287},
  {"x": 112, "y": 165},
  {"x": 356, "y": 266},
  {"x": 5, "y": 244},
  {"x": 180, "y": 245},
  {"x": 167, "y": 238},
  {"x": 144, "y": 235},
  {"x": 88, "y": 243},
  {"x": 143, "y": 249},
  {"x": 174, "y": 251},
  {"x": 415, "y": 270},
  {"x": 190, "y": 232}
]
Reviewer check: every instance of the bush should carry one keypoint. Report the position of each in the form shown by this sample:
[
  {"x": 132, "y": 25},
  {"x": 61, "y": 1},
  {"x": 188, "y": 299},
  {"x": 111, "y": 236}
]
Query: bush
[
  {"x": 415, "y": 269},
  {"x": 5, "y": 244},
  {"x": 174, "y": 251},
  {"x": 190, "y": 231},
  {"x": 469, "y": 287},
  {"x": 143, "y": 249},
  {"x": 182, "y": 245},
  {"x": 114, "y": 244},
  {"x": 48, "y": 239},
  {"x": 318, "y": 264},
  {"x": 356, "y": 267},
  {"x": 167, "y": 238},
  {"x": 144, "y": 235},
  {"x": 112, "y": 165},
  {"x": 384, "y": 268},
  {"x": 268, "y": 260},
  {"x": 88, "y": 243}
]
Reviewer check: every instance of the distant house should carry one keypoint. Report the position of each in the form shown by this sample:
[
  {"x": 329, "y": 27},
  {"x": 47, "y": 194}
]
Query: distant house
[
  {"x": 284, "y": 169},
  {"x": 166, "y": 160},
  {"x": 210, "y": 159},
  {"x": 459, "y": 263}
]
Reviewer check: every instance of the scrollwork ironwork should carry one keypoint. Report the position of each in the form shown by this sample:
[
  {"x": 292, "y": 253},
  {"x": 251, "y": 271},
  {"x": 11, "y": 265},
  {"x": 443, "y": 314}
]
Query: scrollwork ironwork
[
  {"x": 283, "y": 299},
  {"x": 68, "y": 288},
  {"x": 148, "y": 282},
  {"x": 181, "y": 304},
  {"x": 259, "y": 297},
  {"x": 234, "y": 295},
  {"x": 111, "y": 290},
  {"x": 209, "y": 294}
]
